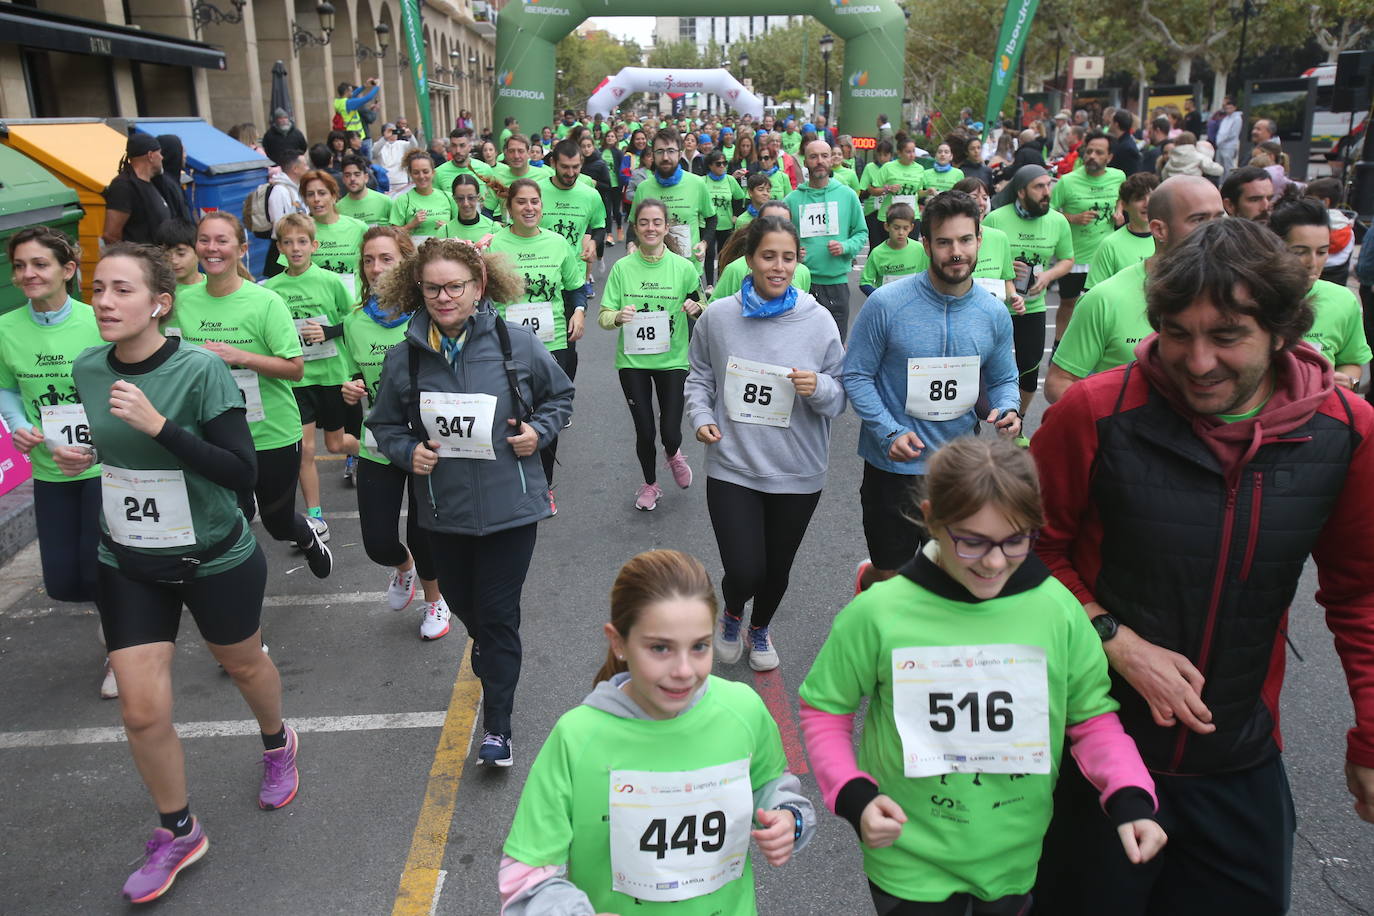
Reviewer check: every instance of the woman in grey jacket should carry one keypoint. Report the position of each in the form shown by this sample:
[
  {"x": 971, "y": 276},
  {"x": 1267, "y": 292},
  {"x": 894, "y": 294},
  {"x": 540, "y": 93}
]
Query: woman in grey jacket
[
  {"x": 763, "y": 387},
  {"x": 465, "y": 402}
]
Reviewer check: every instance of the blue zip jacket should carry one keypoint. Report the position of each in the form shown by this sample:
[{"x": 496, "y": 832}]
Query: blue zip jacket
[{"x": 909, "y": 319}]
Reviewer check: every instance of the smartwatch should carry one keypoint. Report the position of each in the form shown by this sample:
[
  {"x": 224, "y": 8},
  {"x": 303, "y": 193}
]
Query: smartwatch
[
  {"x": 796, "y": 813},
  {"x": 1106, "y": 626}
]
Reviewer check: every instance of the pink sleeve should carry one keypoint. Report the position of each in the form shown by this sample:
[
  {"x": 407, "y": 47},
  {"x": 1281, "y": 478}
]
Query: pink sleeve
[
  {"x": 516, "y": 879},
  {"x": 1107, "y": 756},
  {"x": 830, "y": 745}
]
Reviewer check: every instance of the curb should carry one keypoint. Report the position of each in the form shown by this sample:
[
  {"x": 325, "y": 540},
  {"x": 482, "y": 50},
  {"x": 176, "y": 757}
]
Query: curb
[{"x": 17, "y": 525}]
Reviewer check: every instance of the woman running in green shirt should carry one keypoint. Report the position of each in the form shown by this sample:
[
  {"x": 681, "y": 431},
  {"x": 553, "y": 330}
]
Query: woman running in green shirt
[
  {"x": 424, "y": 210},
  {"x": 471, "y": 225},
  {"x": 649, "y": 296},
  {"x": 38, "y": 343}
]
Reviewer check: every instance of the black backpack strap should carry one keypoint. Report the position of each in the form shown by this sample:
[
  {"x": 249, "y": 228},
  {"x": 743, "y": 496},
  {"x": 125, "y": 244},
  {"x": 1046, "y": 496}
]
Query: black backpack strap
[
  {"x": 522, "y": 409},
  {"x": 417, "y": 425}
]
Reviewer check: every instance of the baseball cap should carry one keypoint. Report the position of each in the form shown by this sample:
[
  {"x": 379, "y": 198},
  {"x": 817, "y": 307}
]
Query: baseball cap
[{"x": 141, "y": 145}]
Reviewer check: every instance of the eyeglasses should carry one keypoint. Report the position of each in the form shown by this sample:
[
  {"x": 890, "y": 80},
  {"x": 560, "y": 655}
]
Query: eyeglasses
[
  {"x": 465, "y": 198},
  {"x": 975, "y": 548},
  {"x": 664, "y": 152},
  {"x": 454, "y": 289}
]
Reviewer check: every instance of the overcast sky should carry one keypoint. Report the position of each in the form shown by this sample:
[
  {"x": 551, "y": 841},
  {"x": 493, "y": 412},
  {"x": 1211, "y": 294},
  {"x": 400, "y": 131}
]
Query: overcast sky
[{"x": 640, "y": 28}]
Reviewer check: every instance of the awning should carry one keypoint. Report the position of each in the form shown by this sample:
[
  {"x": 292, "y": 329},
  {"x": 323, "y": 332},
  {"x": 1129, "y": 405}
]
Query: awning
[{"x": 40, "y": 29}]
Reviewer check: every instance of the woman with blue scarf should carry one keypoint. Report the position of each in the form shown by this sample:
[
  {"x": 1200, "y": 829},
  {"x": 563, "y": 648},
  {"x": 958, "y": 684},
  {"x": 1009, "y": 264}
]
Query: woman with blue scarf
[
  {"x": 369, "y": 331},
  {"x": 762, "y": 390}
]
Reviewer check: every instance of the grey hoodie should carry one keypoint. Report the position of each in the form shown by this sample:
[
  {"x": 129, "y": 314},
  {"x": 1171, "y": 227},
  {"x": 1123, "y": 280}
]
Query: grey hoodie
[
  {"x": 465, "y": 495},
  {"x": 557, "y": 896},
  {"x": 767, "y": 458}
]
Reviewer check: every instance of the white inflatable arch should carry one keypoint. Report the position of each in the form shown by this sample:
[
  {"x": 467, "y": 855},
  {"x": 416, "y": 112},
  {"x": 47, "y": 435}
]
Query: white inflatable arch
[{"x": 651, "y": 79}]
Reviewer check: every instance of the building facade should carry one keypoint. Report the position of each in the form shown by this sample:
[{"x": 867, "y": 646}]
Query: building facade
[{"x": 162, "y": 58}]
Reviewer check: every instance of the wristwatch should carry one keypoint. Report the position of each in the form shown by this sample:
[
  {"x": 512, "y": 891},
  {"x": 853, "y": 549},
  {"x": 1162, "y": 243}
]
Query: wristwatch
[
  {"x": 1106, "y": 626},
  {"x": 796, "y": 813}
]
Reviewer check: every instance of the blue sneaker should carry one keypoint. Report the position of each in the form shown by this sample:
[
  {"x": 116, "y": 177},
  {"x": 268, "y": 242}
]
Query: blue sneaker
[
  {"x": 729, "y": 647},
  {"x": 589, "y": 289},
  {"x": 495, "y": 749},
  {"x": 762, "y": 655},
  {"x": 350, "y": 471}
]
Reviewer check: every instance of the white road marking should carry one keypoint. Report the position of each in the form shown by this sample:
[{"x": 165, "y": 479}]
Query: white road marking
[
  {"x": 68, "y": 736},
  {"x": 438, "y": 889}
]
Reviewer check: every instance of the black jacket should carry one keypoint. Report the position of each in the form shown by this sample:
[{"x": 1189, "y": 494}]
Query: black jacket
[{"x": 278, "y": 144}]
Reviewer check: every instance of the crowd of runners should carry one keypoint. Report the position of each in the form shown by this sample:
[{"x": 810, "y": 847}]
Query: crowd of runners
[{"x": 1115, "y": 587}]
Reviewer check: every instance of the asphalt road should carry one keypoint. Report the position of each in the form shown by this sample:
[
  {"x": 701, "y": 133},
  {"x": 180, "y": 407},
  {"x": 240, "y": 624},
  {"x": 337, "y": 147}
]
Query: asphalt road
[{"x": 386, "y": 719}]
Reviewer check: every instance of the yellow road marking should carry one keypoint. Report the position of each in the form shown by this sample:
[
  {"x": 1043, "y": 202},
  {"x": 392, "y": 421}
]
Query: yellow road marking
[{"x": 415, "y": 896}]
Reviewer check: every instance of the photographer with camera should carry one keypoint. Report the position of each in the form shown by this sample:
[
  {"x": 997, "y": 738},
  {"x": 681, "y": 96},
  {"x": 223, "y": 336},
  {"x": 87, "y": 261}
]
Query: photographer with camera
[{"x": 390, "y": 153}]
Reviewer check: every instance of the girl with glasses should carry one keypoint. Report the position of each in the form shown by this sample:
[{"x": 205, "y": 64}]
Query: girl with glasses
[{"x": 977, "y": 662}]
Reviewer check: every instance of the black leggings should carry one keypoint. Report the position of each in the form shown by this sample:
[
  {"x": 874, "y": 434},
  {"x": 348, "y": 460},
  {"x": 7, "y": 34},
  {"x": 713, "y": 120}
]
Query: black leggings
[
  {"x": 610, "y": 198},
  {"x": 227, "y": 605},
  {"x": 957, "y": 905},
  {"x": 758, "y": 535},
  {"x": 639, "y": 386},
  {"x": 548, "y": 454},
  {"x": 279, "y": 470},
  {"x": 480, "y": 579},
  {"x": 380, "y": 489},
  {"x": 715, "y": 241},
  {"x": 67, "y": 515},
  {"x": 1028, "y": 339}
]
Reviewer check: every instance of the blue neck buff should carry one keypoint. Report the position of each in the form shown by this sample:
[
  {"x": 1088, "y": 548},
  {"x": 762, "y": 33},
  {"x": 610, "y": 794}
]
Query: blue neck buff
[
  {"x": 374, "y": 311},
  {"x": 944, "y": 168},
  {"x": 670, "y": 181},
  {"x": 755, "y": 306},
  {"x": 714, "y": 177},
  {"x": 753, "y": 211},
  {"x": 770, "y": 172}
]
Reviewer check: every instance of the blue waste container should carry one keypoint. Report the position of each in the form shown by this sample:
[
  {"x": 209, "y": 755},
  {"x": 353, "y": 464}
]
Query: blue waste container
[{"x": 223, "y": 171}]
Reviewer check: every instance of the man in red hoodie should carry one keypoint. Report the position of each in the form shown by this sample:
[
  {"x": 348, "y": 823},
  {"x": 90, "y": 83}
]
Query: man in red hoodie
[{"x": 1183, "y": 493}]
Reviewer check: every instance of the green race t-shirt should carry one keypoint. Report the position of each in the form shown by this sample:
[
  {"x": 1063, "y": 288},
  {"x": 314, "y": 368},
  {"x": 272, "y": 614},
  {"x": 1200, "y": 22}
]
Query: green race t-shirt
[
  {"x": 994, "y": 261},
  {"x": 190, "y": 389},
  {"x": 1118, "y": 251},
  {"x": 909, "y": 180},
  {"x": 724, "y": 193},
  {"x": 374, "y": 208},
  {"x": 1038, "y": 242},
  {"x": 550, "y": 267},
  {"x": 1077, "y": 192},
  {"x": 483, "y": 225},
  {"x": 564, "y": 813},
  {"x": 657, "y": 286},
  {"x": 966, "y": 832},
  {"x": 733, "y": 274},
  {"x": 573, "y": 212},
  {"x": 1337, "y": 328},
  {"x": 871, "y": 178},
  {"x": 1106, "y": 325},
  {"x": 886, "y": 263},
  {"x": 37, "y": 360},
  {"x": 341, "y": 244},
  {"x": 938, "y": 181},
  {"x": 367, "y": 343},
  {"x": 255, "y": 319},
  {"x": 199, "y": 282},
  {"x": 446, "y": 174},
  {"x": 688, "y": 202},
  {"x": 612, "y": 166},
  {"x": 438, "y": 206},
  {"x": 848, "y": 178},
  {"x": 317, "y": 295}
]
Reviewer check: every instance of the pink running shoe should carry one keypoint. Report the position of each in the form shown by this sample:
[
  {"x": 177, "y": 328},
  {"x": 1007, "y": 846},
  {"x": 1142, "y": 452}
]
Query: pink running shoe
[
  {"x": 280, "y": 780},
  {"x": 646, "y": 500},
  {"x": 167, "y": 856},
  {"x": 682, "y": 474}
]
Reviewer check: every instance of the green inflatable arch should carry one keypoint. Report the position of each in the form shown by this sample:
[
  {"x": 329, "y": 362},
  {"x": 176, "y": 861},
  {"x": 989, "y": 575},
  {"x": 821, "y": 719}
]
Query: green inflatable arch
[{"x": 870, "y": 79}]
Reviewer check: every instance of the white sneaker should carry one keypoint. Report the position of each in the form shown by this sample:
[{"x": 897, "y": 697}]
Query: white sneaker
[
  {"x": 434, "y": 624},
  {"x": 109, "y": 690},
  {"x": 400, "y": 591},
  {"x": 321, "y": 527},
  {"x": 762, "y": 655},
  {"x": 728, "y": 645}
]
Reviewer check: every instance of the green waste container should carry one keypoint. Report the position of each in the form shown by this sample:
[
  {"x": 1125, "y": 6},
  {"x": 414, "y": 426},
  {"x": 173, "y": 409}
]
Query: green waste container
[{"x": 30, "y": 196}]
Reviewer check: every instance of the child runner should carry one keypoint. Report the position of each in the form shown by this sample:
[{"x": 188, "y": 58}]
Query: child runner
[
  {"x": 249, "y": 327},
  {"x": 553, "y": 276},
  {"x": 896, "y": 257},
  {"x": 649, "y": 295},
  {"x": 318, "y": 304},
  {"x": 169, "y": 422},
  {"x": 758, "y": 191},
  {"x": 975, "y": 661},
  {"x": 43, "y": 411},
  {"x": 177, "y": 238},
  {"x": 368, "y": 333},
  {"x": 603, "y": 823},
  {"x": 763, "y": 389}
]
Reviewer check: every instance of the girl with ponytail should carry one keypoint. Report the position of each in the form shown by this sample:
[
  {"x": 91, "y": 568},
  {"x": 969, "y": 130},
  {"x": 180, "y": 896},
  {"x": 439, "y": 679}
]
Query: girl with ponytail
[{"x": 655, "y": 721}]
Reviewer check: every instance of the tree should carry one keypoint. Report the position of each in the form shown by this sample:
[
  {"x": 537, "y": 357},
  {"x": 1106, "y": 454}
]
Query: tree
[
  {"x": 678, "y": 55},
  {"x": 785, "y": 63},
  {"x": 1339, "y": 25},
  {"x": 586, "y": 60}
]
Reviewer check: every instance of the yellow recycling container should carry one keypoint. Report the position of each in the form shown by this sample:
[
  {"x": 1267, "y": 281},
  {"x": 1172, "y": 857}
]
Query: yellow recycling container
[{"x": 84, "y": 154}]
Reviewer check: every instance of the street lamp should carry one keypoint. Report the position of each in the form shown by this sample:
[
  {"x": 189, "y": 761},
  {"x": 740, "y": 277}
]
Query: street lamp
[
  {"x": 300, "y": 37},
  {"x": 827, "y": 45},
  {"x": 383, "y": 42},
  {"x": 204, "y": 13}
]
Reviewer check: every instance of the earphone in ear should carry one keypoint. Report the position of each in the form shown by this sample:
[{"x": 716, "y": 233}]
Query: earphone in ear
[{"x": 157, "y": 310}]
